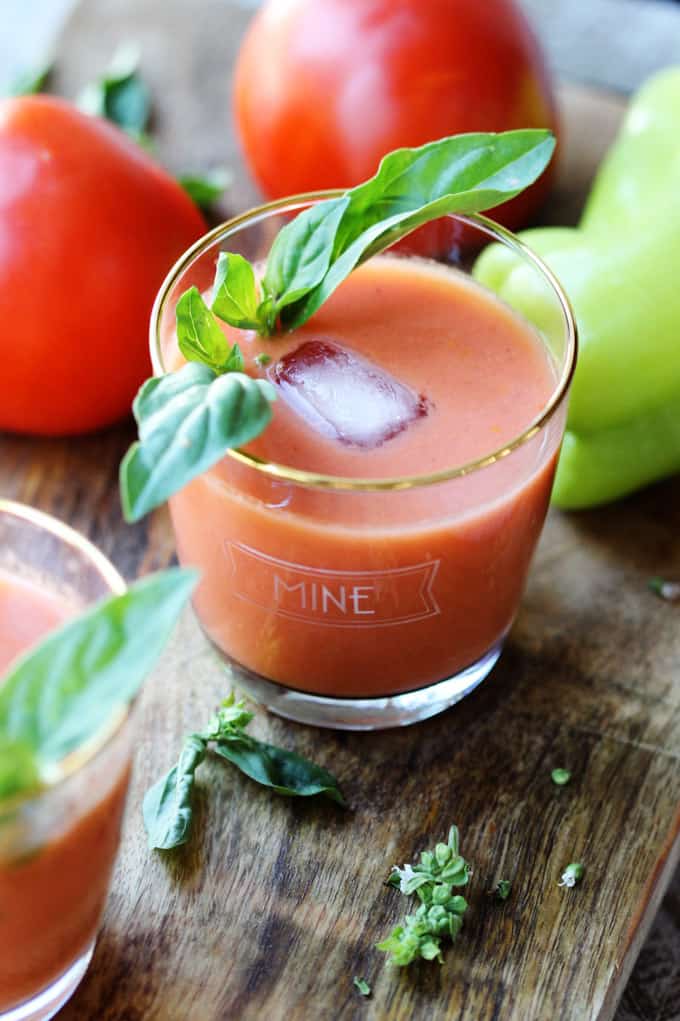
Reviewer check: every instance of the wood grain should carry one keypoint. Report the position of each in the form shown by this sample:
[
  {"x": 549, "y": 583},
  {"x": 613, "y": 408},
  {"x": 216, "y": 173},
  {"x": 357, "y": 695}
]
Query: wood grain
[{"x": 276, "y": 905}]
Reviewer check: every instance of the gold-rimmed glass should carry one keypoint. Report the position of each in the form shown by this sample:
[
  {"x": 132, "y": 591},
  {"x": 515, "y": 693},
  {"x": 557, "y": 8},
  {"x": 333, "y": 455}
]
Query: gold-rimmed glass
[
  {"x": 252, "y": 513},
  {"x": 57, "y": 848}
]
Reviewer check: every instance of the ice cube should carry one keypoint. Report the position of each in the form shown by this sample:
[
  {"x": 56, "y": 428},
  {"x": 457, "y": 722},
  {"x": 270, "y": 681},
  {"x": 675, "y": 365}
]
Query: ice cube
[{"x": 344, "y": 396}]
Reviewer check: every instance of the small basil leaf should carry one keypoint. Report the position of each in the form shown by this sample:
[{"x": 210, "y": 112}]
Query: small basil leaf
[
  {"x": 29, "y": 83},
  {"x": 120, "y": 95},
  {"x": 206, "y": 189},
  {"x": 188, "y": 420},
  {"x": 236, "y": 296},
  {"x": 301, "y": 252},
  {"x": 461, "y": 174},
  {"x": 282, "y": 771},
  {"x": 200, "y": 337},
  {"x": 64, "y": 690},
  {"x": 19, "y": 772},
  {"x": 167, "y": 806}
]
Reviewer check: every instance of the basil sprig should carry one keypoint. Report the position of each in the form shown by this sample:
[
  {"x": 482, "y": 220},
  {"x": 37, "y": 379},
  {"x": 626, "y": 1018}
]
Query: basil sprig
[
  {"x": 168, "y": 805},
  {"x": 64, "y": 690},
  {"x": 308, "y": 260}
]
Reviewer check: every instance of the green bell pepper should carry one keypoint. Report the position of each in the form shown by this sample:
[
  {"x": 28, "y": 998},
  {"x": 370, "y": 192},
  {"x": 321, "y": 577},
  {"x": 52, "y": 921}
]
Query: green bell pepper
[{"x": 621, "y": 270}]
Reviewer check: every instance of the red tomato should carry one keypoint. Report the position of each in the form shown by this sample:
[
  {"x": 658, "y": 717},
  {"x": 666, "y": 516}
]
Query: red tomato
[
  {"x": 89, "y": 226},
  {"x": 324, "y": 88}
]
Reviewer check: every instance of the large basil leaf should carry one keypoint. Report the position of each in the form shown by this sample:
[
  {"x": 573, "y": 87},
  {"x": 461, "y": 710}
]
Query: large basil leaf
[
  {"x": 283, "y": 771},
  {"x": 302, "y": 251},
  {"x": 462, "y": 174},
  {"x": 64, "y": 690},
  {"x": 187, "y": 421},
  {"x": 167, "y": 806}
]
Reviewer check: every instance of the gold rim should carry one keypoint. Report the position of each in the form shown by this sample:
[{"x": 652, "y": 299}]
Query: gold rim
[
  {"x": 114, "y": 581},
  {"x": 339, "y": 482}
]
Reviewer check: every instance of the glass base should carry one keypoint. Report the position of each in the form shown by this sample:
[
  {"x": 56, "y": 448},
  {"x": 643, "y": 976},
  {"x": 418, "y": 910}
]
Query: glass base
[
  {"x": 362, "y": 713},
  {"x": 46, "y": 1004}
]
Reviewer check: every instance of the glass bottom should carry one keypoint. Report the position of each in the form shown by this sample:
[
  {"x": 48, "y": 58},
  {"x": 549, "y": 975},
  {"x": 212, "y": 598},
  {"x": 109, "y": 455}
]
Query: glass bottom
[
  {"x": 362, "y": 713},
  {"x": 46, "y": 1004}
]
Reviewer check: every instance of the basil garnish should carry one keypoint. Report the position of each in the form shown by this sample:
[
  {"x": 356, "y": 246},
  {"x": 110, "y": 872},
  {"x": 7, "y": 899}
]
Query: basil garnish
[
  {"x": 187, "y": 420},
  {"x": 309, "y": 258},
  {"x": 64, "y": 690},
  {"x": 168, "y": 808}
]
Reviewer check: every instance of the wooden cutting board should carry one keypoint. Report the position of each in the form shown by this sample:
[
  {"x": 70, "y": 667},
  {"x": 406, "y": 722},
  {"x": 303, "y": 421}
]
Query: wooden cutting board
[{"x": 276, "y": 905}]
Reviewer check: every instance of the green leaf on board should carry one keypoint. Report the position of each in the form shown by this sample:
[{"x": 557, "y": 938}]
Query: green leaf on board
[
  {"x": 168, "y": 807},
  {"x": 362, "y": 985},
  {"x": 283, "y": 771}
]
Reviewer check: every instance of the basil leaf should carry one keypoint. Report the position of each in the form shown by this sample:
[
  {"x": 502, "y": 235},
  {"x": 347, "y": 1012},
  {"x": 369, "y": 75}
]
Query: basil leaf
[
  {"x": 461, "y": 174},
  {"x": 19, "y": 771},
  {"x": 200, "y": 337},
  {"x": 283, "y": 771},
  {"x": 120, "y": 95},
  {"x": 236, "y": 296},
  {"x": 29, "y": 83},
  {"x": 187, "y": 421},
  {"x": 64, "y": 690},
  {"x": 301, "y": 252},
  {"x": 206, "y": 189},
  {"x": 167, "y": 806}
]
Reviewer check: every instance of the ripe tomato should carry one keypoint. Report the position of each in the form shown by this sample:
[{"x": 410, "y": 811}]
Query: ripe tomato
[
  {"x": 324, "y": 88},
  {"x": 89, "y": 225}
]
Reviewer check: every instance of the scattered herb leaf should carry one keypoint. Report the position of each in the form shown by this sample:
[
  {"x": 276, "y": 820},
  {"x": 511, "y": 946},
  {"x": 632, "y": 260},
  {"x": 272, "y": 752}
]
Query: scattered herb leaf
[
  {"x": 560, "y": 777},
  {"x": 168, "y": 808},
  {"x": 64, "y": 690},
  {"x": 362, "y": 985},
  {"x": 572, "y": 875},
  {"x": 30, "y": 82},
  {"x": 440, "y": 915},
  {"x": 206, "y": 189},
  {"x": 668, "y": 590},
  {"x": 502, "y": 889},
  {"x": 262, "y": 359}
]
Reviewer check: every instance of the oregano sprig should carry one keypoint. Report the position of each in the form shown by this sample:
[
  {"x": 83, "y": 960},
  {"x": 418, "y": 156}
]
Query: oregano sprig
[
  {"x": 440, "y": 914},
  {"x": 168, "y": 805},
  {"x": 309, "y": 259}
]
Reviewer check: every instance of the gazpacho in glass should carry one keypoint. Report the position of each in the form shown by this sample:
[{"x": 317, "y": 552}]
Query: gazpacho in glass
[{"x": 363, "y": 559}]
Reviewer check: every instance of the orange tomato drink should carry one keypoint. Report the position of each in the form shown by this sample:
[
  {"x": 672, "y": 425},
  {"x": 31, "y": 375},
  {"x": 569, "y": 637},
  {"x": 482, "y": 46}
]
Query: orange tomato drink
[
  {"x": 363, "y": 559},
  {"x": 57, "y": 847}
]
